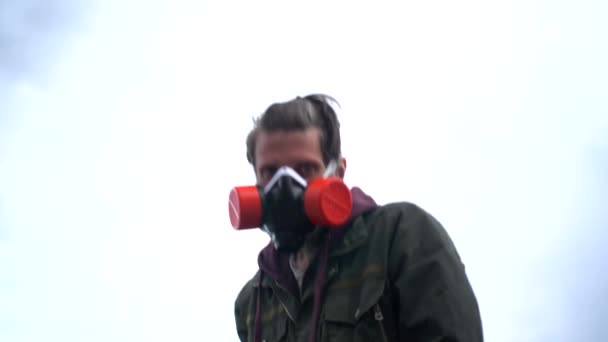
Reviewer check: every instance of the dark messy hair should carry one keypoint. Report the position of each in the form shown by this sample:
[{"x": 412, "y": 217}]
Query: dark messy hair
[{"x": 301, "y": 113}]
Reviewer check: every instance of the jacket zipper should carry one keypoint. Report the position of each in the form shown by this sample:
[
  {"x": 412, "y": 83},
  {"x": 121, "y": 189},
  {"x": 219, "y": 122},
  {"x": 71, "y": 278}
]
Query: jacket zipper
[{"x": 380, "y": 317}]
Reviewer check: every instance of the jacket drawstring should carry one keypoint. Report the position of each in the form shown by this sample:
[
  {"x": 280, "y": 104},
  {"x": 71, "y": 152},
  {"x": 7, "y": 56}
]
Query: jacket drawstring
[
  {"x": 319, "y": 281},
  {"x": 258, "y": 315}
]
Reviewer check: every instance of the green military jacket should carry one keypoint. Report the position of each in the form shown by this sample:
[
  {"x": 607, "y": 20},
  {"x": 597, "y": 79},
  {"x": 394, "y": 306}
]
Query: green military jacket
[{"x": 395, "y": 275}]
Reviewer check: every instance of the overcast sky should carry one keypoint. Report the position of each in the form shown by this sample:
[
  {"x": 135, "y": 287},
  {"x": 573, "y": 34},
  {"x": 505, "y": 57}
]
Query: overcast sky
[{"x": 123, "y": 124}]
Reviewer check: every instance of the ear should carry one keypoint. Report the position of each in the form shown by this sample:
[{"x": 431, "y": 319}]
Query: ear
[{"x": 341, "y": 169}]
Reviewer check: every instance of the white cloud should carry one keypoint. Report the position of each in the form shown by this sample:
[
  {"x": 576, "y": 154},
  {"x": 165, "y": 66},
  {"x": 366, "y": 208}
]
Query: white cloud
[{"x": 114, "y": 176}]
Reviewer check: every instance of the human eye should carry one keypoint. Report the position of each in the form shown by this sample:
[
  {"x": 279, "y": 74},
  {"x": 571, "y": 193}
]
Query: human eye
[
  {"x": 266, "y": 173},
  {"x": 307, "y": 171}
]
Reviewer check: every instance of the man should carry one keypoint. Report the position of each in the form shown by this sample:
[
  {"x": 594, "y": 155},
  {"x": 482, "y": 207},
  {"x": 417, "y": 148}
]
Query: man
[{"x": 388, "y": 273}]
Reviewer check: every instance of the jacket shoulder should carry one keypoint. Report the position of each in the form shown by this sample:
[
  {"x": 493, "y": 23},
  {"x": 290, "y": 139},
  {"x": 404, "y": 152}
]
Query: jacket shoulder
[
  {"x": 247, "y": 291},
  {"x": 409, "y": 224},
  {"x": 400, "y": 214},
  {"x": 398, "y": 208}
]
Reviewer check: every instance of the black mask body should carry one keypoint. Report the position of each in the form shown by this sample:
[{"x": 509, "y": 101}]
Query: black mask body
[{"x": 285, "y": 219}]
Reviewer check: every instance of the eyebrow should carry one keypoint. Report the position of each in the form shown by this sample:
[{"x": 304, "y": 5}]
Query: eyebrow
[
  {"x": 309, "y": 163},
  {"x": 267, "y": 167}
]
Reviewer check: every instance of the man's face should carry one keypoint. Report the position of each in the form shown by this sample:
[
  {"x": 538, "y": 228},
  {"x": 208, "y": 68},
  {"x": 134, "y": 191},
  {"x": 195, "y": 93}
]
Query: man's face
[{"x": 298, "y": 149}]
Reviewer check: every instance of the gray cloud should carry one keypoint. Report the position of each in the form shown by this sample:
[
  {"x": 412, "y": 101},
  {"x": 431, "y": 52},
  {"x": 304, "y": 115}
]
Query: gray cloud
[
  {"x": 577, "y": 269},
  {"x": 32, "y": 32},
  {"x": 588, "y": 282}
]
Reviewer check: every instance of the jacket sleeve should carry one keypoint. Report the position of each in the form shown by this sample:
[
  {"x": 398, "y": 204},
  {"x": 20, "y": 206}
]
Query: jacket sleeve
[{"x": 435, "y": 300}]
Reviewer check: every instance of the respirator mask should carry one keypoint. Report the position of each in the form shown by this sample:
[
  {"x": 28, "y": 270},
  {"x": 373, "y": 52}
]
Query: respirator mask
[{"x": 289, "y": 208}]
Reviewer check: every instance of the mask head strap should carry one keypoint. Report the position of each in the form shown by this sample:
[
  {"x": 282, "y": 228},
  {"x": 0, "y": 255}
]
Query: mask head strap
[{"x": 331, "y": 169}]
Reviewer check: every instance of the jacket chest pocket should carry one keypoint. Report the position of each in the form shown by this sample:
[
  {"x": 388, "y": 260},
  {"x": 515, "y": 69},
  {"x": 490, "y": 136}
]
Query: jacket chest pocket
[{"x": 355, "y": 314}]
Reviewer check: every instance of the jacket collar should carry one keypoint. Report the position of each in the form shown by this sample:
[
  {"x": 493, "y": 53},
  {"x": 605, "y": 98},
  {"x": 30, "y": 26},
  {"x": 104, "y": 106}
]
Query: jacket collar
[{"x": 355, "y": 235}]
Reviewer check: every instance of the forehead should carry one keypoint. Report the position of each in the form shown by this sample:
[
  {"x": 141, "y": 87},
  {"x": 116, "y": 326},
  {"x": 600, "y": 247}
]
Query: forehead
[{"x": 286, "y": 148}]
